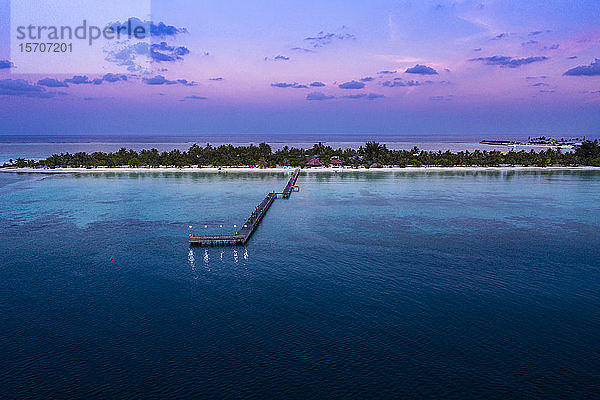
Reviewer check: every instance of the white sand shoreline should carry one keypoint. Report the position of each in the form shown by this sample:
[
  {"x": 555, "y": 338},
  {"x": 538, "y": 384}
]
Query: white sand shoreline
[{"x": 285, "y": 169}]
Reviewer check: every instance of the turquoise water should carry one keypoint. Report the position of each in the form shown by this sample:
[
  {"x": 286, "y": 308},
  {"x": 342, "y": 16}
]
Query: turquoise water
[{"x": 410, "y": 284}]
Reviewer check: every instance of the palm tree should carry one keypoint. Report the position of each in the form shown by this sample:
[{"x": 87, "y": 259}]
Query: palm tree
[{"x": 374, "y": 150}]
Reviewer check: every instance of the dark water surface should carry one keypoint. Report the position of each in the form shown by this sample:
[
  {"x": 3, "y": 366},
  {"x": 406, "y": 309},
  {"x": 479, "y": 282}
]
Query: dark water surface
[{"x": 371, "y": 285}]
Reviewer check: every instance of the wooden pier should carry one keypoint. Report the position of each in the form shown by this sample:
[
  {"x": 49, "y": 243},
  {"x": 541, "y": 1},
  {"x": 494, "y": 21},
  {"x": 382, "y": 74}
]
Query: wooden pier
[
  {"x": 291, "y": 185},
  {"x": 243, "y": 234}
]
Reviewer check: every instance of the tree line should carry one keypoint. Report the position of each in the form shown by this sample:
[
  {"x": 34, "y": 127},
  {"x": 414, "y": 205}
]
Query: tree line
[{"x": 372, "y": 154}]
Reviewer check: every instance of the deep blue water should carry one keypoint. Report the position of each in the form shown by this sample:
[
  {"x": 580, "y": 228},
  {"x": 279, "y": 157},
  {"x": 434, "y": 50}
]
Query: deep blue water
[{"x": 370, "y": 285}]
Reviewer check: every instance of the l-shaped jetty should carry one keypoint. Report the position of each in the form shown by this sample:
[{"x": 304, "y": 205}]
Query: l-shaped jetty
[{"x": 241, "y": 237}]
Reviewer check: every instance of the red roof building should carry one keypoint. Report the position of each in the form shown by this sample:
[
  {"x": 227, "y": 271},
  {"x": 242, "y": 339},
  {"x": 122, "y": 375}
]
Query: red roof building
[
  {"x": 313, "y": 162},
  {"x": 335, "y": 162}
]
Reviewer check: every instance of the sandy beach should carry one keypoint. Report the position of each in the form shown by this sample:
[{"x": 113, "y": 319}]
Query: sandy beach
[{"x": 286, "y": 169}]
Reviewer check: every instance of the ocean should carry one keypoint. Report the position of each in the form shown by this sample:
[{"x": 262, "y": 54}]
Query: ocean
[{"x": 448, "y": 284}]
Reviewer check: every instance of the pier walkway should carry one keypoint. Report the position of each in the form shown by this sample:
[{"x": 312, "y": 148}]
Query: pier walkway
[
  {"x": 291, "y": 185},
  {"x": 243, "y": 234}
]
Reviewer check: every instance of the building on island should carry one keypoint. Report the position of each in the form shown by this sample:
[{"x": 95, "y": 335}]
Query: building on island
[
  {"x": 335, "y": 162},
  {"x": 313, "y": 162}
]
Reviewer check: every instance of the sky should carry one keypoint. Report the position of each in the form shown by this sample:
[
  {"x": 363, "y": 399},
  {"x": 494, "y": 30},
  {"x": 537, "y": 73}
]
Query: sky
[{"x": 357, "y": 67}]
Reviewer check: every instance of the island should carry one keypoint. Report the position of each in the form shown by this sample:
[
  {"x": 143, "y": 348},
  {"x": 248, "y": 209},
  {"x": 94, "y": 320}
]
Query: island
[
  {"x": 541, "y": 141},
  {"x": 371, "y": 155}
]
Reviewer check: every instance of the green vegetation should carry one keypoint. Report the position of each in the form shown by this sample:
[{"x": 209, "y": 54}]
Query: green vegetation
[{"x": 372, "y": 154}]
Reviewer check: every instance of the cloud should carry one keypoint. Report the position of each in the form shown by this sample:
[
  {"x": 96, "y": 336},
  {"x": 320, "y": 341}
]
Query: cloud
[
  {"x": 195, "y": 97},
  {"x": 51, "y": 82},
  {"x": 163, "y": 52},
  {"x": 158, "y": 30},
  {"x": 216, "y": 79},
  {"x": 529, "y": 43},
  {"x": 386, "y": 72},
  {"x": 585, "y": 70},
  {"x": 401, "y": 83},
  {"x": 127, "y": 55},
  {"x": 322, "y": 39},
  {"x": 317, "y": 84},
  {"x": 535, "y": 33},
  {"x": 158, "y": 56},
  {"x": 283, "y": 84},
  {"x": 356, "y": 96},
  {"x": 478, "y": 49},
  {"x": 538, "y": 84},
  {"x": 185, "y": 82},
  {"x": 278, "y": 58},
  {"x": 352, "y": 85},
  {"x": 79, "y": 80},
  {"x": 370, "y": 96},
  {"x": 318, "y": 96},
  {"x": 158, "y": 80},
  {"x": 20, "y": 87},
  {"x": 441, "y": 98},
  {"x": 114, "y": 77},
  {"x": 421, "y": 70},
  {"x": 571, "y": 58},
  {"x": 4, "y": 64},
  {"x": 367, "y": 79},
  {"x": 163, "y": 30},
  {"x": 536, "y": 77},
  {"x": 373, "y": 96},
  {"x": 551, "y": 47},
  {"x": 134, "y": 56},
  {"x": 294, "y": 85},
  {"x": 501, "y": 36},
  {"x": 303, "y": 50},
  {"x": 510, "y": 62}
]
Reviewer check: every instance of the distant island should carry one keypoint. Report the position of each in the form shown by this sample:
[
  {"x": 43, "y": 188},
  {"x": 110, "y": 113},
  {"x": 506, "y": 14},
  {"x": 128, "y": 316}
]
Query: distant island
[
  {"x": 541, "y": 141},
  {"x": 371, "y": 155}
]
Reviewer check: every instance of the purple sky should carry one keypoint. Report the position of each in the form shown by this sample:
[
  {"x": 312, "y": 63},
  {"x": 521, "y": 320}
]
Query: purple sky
[{"x": 393, "y": 67}]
